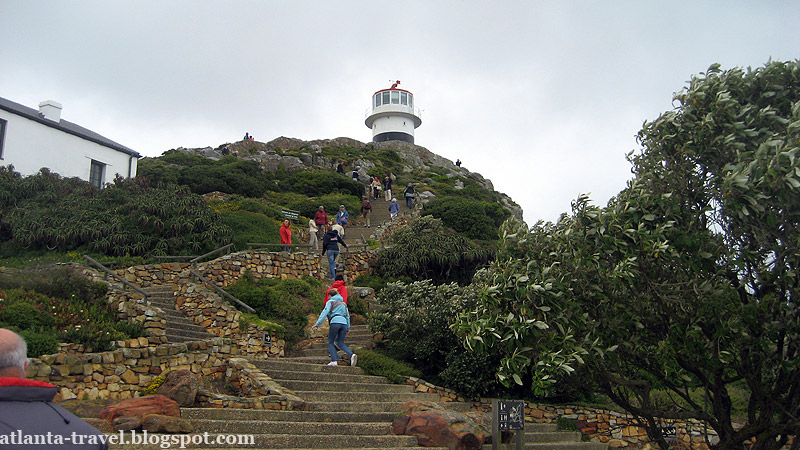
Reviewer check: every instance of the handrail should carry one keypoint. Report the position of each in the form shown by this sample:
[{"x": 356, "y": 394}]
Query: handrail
[
  {"x": 250, "y": 245},
  {"x": 124, "y": 282},
  {"x": 221, "y": 291},
  {"x": 212, "y": 252}
]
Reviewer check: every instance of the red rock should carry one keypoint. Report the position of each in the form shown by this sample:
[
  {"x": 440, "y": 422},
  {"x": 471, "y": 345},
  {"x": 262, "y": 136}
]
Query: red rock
[
  {"x": 436, "y": 426},
  {"x": 181, "y": 386},
  {"x": 140, "y": 407}
]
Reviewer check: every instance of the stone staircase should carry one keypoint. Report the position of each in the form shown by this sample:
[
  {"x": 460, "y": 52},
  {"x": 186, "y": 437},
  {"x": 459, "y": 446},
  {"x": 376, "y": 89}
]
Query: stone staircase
[
  {"x": 346, "y": 409},
  {"x": 180, "y": 328}
]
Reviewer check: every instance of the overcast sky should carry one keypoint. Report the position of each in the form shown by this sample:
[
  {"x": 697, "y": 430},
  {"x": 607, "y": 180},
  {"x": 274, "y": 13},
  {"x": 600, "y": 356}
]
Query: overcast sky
[{"x": 543, "y": 98}]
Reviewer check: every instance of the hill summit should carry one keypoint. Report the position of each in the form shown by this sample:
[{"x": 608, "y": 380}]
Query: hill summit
[{"x": 294, "y": 154}]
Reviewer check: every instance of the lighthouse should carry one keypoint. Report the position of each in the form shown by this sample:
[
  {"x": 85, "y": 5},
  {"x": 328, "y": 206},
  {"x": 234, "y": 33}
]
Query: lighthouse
[{"x": 393, "y": 116}]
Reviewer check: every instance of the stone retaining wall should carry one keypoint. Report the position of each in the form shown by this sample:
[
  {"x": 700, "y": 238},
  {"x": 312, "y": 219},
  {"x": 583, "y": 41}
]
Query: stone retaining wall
[
  {"x": 617, "y": 429},
  {"x": 124, "y": 373}
]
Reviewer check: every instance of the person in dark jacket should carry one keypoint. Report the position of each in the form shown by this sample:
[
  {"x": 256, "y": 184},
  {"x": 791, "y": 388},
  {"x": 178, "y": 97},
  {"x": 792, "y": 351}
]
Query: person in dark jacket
[
  {"x": 330, "y": 245},
  {"x": 27, "y": 410}
]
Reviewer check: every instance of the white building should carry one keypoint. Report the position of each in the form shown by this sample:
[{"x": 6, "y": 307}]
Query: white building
[
  {"x": 31, "y": 139},
  {"x": 393, "y": 116}
]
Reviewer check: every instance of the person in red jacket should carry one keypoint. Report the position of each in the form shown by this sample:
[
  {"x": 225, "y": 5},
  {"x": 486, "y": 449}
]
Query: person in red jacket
[
  {"x": 321, "y": 219},
  {"x": 339, "y": 285},
  {"x": 286, "y": 236}
]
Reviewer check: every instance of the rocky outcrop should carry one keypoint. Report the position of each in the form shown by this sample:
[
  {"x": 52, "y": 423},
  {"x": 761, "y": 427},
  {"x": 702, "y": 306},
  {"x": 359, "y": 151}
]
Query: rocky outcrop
[
  {"x": 181, "y": 386},
  {"x": 270, "y": 155},
  {"x": 436, "y": 426}
]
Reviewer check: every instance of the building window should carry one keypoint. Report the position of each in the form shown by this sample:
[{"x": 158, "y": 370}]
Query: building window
[
  {"x": 97, "y": 173},
  {"x": 403, "y": 98},
  {"x": 395, "y": 97},
  {"x": 377, "y": 100},
  {"x": 410, "y": 101},
  {"x": 2, "y": 136},
  {"x": 385, "y": 98}
]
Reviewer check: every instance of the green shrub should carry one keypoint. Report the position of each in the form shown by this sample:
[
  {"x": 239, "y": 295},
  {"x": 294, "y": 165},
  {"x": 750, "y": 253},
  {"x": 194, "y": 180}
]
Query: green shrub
[
  {"x": 285, "y": 302},
  {"x": 424, "y": 250},
  {"x": 251, "y": 227},
  {"x": 40, "y": 342},
  {"x": 470, "y": 374},
  {"x": 416, "y": 321},
  {"x": 23, "y": 315},
  {"x": 378, "y": 364},
  {"x": 475, "y": 219}
]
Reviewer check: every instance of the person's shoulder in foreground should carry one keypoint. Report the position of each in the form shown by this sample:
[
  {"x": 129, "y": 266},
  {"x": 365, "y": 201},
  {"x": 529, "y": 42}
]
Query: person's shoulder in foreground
[{"x": 28, "y": 416}]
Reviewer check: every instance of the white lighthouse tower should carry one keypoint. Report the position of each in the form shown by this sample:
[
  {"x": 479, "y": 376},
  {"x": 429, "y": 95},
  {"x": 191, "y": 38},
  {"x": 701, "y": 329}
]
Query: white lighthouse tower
[{"x": 393, "y": 116}]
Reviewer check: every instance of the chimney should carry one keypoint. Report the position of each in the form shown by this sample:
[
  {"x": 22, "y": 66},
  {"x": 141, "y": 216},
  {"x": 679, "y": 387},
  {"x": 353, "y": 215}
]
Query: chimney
[{"x": 50, "y": 110}]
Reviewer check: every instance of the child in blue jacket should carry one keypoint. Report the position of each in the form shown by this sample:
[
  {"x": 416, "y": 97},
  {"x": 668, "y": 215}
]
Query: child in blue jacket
[{"x": 339, "y": 317}]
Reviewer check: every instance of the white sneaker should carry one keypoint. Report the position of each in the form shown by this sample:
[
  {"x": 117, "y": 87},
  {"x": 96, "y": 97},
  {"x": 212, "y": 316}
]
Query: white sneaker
[
  {"x": 333, "y": 363},
  {"x": 353, "y": 360}
]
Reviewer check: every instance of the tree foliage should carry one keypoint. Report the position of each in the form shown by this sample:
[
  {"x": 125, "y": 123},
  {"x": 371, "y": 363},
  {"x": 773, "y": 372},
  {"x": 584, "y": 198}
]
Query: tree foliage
[
  {"x": 416, "y": 319},
  {"x": 424, "y": 250},
  {"x": 687, "y": 279}
]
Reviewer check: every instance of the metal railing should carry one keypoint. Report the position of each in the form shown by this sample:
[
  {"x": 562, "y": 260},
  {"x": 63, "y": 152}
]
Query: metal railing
[
  {"x": 124, "y": 282},
  {"x": 221, "y": 291},
  {"x": 212, "y": 252}
]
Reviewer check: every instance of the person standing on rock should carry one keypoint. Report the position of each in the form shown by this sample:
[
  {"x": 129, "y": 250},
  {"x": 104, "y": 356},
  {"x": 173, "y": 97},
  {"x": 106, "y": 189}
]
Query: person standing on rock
[
  {"x": 339, "y": 318},
  {"x": 394, "y": 208},
  {"x": 321, "y": 219},
  {"x": 355, "y": 173},
  {"x": 340, "y": 167},
  {"x": 313, "y": 240},
  {"x": 27, "y": 409},
  {"x": 286, "y": 236},
  {"x": 330, "y": 245}
]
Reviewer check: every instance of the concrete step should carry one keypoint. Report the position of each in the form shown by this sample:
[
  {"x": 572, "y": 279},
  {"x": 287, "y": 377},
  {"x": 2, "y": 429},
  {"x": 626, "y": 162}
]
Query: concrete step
[
  {"x": 566, "y": 446},
  {"x": 394, "y": 407},
  {"x": 289, "y": 416},
  {"x": 285, "y": 441},
  {"x": 346, "y": 397},
  {"x": 346, "y": 387},
  {"x": 288, "y": 427},
  {"x": 324, "y": 376},
  {"x": 272, "y": 365}
]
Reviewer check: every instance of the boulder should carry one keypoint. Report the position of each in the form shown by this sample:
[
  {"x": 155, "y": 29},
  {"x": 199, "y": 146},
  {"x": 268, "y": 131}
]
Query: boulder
[
  {"x": 157, "y": 423},
  {"x": 127, "y": 423},
  {"x": 436, "y": 426},
  {"x": 181, "y": 386},
  {"x": 141, "y": 407}
]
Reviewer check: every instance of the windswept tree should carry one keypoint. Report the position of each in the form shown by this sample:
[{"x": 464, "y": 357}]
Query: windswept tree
[{"x": 685, "y": 283}]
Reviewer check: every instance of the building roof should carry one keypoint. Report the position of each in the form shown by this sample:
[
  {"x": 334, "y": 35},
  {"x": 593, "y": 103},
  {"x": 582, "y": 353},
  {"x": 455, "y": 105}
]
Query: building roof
[{"x": 65, "y": 126}]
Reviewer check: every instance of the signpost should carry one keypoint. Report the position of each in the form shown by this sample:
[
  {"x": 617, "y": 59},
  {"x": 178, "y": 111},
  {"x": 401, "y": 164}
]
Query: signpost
[
  {"x": 289, "y": 214},
  {"x": 508, "y": 415}
]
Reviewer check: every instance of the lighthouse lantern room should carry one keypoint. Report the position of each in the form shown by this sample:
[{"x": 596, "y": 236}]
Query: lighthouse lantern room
[{"x": 393, "y": 116}]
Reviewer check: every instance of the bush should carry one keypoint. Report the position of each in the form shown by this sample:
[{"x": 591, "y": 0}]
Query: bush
[
  {"x": 23, "y": 315},
  {"x": 40, "y": 342},
  {"x": 320, "y": 183},
  {"x": 378, "y": 364},
  {"x": 416, "y": 321},
  {"x": 250, "y": 227},
  {"x": 474, "y": 219},
  {"x": 285, "y": 302},
  {"x": 470, "y": 374},
  {"x": 425, "y": 250}
]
